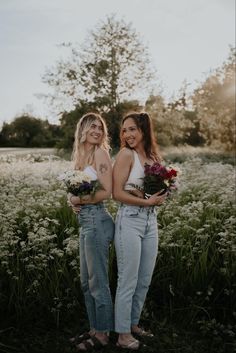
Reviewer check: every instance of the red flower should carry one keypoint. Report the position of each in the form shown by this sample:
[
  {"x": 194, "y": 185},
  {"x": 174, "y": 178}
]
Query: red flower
[{"x": 170, "y": 174}]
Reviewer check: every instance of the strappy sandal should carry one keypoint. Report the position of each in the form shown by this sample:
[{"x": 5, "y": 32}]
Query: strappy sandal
[
  {"x": 80, "y": 338},
  {"x": 132, "y": 346},
  {"x": 91, "y": 344}
]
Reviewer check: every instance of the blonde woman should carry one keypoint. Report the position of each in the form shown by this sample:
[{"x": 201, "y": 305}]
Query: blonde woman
[
  {"x": 136, "y": 236},
  {"x": 91, "y": 155}
]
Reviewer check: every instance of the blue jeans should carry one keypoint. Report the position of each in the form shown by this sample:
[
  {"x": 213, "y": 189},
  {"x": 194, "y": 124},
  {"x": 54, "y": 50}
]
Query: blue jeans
[
  {"x": 96, "y": 234},
  {"x": 136, "y": 244}
]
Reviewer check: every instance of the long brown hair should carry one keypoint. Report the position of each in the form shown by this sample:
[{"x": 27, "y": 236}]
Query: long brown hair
[
  {"x": 144, "y": 124},
  {"x": 83, "y": 126}
]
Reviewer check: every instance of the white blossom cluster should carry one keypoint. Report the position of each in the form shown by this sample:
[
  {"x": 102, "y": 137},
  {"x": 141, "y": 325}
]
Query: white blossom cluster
[
  {"x": 39, "y": 233},
  {"x": 32, "y": 219},
  {"x": 74, "y": 177},
  {"x": 197, "y": 227}
]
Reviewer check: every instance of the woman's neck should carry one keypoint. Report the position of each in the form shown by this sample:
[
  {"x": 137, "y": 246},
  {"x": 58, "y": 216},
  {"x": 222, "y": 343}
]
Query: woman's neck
[
  {"x": 86, "y": 156},
  {"x": 142, "y": 155},
  {"x": 141, "y": 151},
  {"x": 88, "y": 147}
]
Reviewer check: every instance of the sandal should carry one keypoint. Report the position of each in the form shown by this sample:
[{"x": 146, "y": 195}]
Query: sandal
[
  {"x": 142, "y": 333},
  {"x": 132, "y": 346},
  {"x": 80, "y": 338},
  {"x": 91, "y": 344}
]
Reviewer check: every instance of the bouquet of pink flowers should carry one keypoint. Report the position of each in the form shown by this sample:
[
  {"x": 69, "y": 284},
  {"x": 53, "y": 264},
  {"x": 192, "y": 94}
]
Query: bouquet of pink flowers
[
  {"x": 79, "y": 183},
  {"x": 159, "y": 177}
]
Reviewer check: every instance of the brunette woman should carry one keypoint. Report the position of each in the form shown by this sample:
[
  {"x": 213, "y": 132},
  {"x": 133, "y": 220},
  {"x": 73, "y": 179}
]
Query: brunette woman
[{"x": 136, "y": 236}]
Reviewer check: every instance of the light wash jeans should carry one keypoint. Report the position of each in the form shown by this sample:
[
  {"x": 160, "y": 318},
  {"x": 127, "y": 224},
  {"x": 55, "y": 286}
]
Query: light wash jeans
[
  {"x": 136, "y": 243},
  {"x": 96, "y": 234}
]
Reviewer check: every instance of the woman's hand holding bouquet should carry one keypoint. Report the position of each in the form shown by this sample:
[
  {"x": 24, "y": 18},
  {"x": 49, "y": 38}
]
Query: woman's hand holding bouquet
[
  {"x": 159, "y": 177},
  {"x": 79, "y": 184}
]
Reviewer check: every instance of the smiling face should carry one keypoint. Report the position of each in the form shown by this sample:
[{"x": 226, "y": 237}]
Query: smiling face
[
  {"x": 95, "y": 133},
  {"x": 131, "y": 134}
]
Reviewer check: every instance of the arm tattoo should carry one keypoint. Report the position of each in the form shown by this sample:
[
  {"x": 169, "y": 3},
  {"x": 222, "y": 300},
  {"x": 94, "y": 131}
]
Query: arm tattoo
[{"x": 103, "y": 168}]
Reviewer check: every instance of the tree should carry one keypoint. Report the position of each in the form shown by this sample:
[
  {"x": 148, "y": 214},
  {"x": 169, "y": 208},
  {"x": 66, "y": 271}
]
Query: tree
[
  {"x": 171, "y": 124},
  {"x": 28, "y": 131},
  {"x": 5, "y": 132},
  {"x": 194, "y": 136},
  {"x": 214, "y": 101},
  {"x": 108, "y": 68}
]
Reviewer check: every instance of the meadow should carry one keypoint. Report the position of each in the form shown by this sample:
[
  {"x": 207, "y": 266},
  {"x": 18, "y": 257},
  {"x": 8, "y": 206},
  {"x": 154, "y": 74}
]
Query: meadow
[{"x": 191, "y": 302}]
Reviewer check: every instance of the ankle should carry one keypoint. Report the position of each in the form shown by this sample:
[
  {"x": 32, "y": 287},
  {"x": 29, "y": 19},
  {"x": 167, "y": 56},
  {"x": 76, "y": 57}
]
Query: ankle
[
  {"x": 125, "y": 337},
  {"x": 135, "y": 328},
  {"x": 102, "y": 336}
]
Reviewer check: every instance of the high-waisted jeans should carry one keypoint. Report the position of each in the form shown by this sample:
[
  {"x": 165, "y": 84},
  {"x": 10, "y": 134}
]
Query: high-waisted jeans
[
  {"x": 96, "y": 235},
  {"x": 136, "y": 243}
]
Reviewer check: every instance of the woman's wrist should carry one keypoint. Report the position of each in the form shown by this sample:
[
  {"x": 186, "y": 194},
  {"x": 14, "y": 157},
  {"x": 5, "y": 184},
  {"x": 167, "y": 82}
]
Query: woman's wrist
[
  {"x": 86, "y": 199},
  {"x": 73, "y": 197},
  {"x": 146, "y": 202}
]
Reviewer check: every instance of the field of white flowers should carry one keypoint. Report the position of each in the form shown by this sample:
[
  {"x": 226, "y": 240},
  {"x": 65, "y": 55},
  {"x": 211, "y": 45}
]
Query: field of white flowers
[{"x": 195, "y": 276}]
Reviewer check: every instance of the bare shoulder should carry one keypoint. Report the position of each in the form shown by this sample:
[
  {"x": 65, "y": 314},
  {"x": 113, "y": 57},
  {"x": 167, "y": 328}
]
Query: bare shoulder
[
  {"x": 101, "y": 153},
  {"x": 125, "y": 153}
]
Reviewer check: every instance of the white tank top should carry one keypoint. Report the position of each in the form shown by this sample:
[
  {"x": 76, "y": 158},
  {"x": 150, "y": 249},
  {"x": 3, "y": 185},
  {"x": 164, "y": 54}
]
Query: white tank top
[
  {"x": 91, "y": 172},
  {"x": 136, "y": 174}
]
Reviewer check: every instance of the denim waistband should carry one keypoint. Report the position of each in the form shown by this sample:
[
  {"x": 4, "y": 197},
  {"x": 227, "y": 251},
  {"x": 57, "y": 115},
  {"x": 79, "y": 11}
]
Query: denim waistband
[
  {"x": 96, "y": 206},
  {"x": 147, "y": 209}
]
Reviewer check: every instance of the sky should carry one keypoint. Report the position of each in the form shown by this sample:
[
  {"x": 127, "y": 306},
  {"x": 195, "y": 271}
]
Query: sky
[{"x": 186, "y": 39}]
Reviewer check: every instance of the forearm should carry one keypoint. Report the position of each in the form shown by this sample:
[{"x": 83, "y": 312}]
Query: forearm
[
  {"x": 99, "y": 196},
  {"x": 127, "y": 198}
]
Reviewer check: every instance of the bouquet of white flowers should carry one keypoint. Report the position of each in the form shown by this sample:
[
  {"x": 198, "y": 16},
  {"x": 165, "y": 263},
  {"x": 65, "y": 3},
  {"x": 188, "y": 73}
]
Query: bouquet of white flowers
[{"x": 79, "y": 183}]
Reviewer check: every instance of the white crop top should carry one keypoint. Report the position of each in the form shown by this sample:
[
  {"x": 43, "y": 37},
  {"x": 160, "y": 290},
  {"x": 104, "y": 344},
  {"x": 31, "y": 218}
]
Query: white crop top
[
  {"x": 91, "y": 172},
  {"x": 136, "y": 174}
]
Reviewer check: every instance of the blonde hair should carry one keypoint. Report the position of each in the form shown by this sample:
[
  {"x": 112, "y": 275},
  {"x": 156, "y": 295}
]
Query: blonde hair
[{"x": 81, "y": 160}]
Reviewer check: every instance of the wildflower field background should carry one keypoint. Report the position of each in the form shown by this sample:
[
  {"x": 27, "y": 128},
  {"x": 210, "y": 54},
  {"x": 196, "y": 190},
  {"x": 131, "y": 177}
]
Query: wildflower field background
[{"x": 191, "y": 303}]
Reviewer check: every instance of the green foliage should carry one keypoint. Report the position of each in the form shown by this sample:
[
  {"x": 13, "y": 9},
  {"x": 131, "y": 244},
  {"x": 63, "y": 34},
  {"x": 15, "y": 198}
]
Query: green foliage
[
  {"x": 27, "y": 131},
  {"x": 171, "y": 123},
  {"x": 182, "y": 154},
  {"x": 214, "y": 101},
  {"x": 197, "y": 238},
  {"x": 194, "y": 137}
]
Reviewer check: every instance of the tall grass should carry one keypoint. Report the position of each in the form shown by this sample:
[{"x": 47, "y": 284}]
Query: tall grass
[
  {"x": 206, "y": 154},
  {"x": 195, "y": 276},
  {"x": 194, "y": 279}
]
